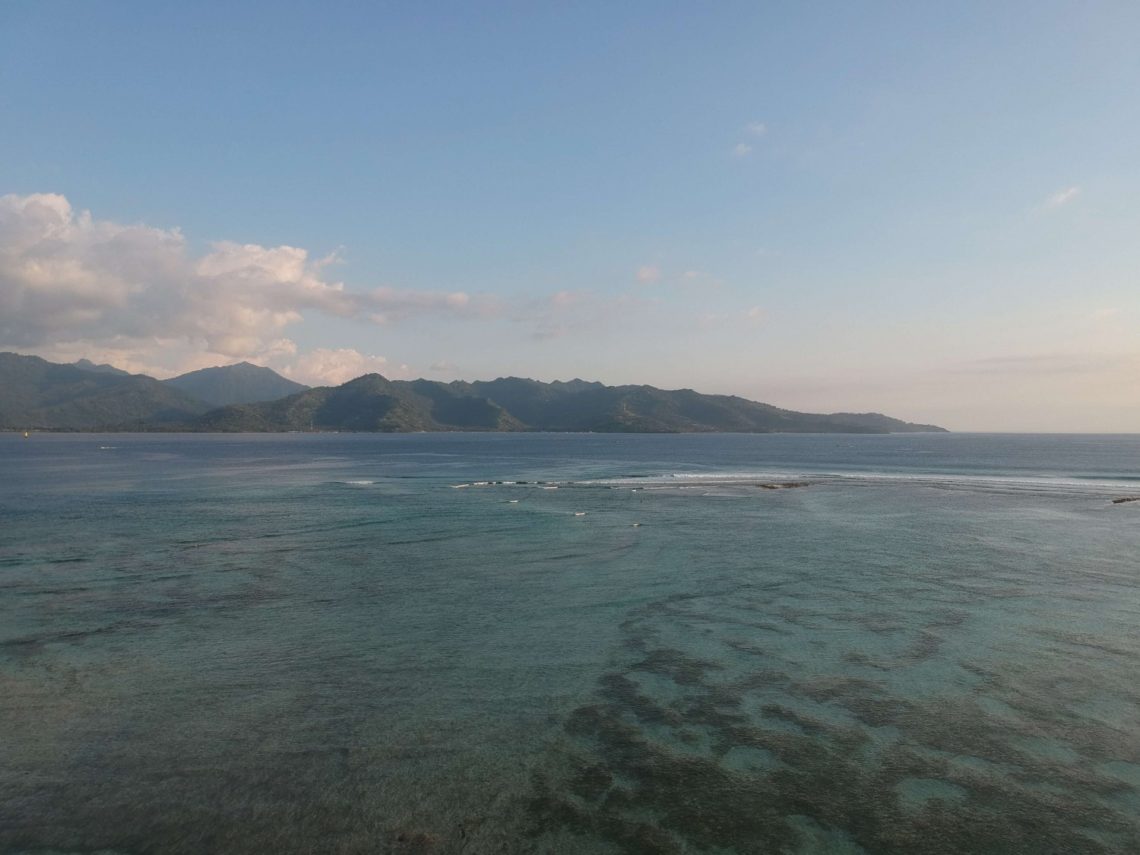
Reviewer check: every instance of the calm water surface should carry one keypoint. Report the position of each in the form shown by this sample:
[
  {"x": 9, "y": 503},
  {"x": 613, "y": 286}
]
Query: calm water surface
[{"x": 325, "y": 643}]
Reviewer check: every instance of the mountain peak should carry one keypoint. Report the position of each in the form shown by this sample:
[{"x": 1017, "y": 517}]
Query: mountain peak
[
  {"x": 240, "y": 383},
  {"x": 103, "y": 368}
]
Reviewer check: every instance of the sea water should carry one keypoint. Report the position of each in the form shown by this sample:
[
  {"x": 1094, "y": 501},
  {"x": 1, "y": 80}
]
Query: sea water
[{"x": 569, "y": 643}]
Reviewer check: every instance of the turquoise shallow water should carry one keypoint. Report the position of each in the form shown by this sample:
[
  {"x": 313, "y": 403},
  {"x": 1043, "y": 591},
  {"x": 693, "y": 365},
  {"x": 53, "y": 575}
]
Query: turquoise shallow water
[{"x": 322, "y": 643}]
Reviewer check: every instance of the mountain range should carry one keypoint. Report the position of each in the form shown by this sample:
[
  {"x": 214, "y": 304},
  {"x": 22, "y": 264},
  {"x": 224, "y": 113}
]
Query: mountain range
[
  {"x": 36, "y": 394},
  {"x": 42, "y": 395}
]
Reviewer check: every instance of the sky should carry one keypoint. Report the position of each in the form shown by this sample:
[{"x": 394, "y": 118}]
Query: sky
[{"x": 928, "y": 210}]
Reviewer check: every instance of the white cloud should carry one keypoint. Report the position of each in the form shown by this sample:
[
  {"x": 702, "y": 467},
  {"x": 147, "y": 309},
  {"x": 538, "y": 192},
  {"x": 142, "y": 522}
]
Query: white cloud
[
  {"x": 1062, "y": 197},
  {"x": 648, "y": 274},
  {"x": 755, "y": 130},
  {"x": 70, "y": 283},
  {"x": 331, "y": 367}
]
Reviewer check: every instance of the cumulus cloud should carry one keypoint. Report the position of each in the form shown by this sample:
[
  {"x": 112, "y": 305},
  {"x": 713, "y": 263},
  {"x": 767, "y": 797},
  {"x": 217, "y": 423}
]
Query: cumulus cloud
[
  {"x": 741, "y": 150},
  {"x": 756, "y": 129},
  {"x": 647, "y": 274},
  {"x": 1062, "y": 198},
  {"x": 69, "y": 280},
  {"x": 333, "y": 366}
]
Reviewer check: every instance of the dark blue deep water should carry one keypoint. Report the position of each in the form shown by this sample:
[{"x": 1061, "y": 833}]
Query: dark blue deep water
[{"x": 361, "y": 643}]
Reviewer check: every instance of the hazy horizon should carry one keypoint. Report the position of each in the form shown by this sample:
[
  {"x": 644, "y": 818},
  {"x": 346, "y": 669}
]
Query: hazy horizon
[{"x": 925, "y": 212}]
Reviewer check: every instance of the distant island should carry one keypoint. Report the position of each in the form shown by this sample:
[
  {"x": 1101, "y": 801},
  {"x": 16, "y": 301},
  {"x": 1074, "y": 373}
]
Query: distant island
[{"x": 39, "y": 395}]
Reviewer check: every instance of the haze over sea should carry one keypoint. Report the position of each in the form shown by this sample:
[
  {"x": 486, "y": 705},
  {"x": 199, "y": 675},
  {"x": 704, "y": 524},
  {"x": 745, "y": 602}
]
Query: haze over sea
[{"x": 603, "y": 643}]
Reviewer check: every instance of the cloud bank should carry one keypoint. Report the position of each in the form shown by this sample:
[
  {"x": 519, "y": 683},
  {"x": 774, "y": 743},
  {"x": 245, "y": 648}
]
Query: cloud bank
[{"x": 71, "y": 283}]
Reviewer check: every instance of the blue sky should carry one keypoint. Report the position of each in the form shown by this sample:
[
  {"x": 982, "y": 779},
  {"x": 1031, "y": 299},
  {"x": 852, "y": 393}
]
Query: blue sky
[{"x": 926, "y": 211}]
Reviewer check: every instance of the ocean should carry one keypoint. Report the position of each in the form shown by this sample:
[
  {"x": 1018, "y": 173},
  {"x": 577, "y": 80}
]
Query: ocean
[{"x": 568, "y": 643}]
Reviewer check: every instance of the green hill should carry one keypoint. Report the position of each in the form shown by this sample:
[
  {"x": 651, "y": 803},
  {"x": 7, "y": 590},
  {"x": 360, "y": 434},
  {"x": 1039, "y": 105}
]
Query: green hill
[{"x": 42, "y": 395}]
